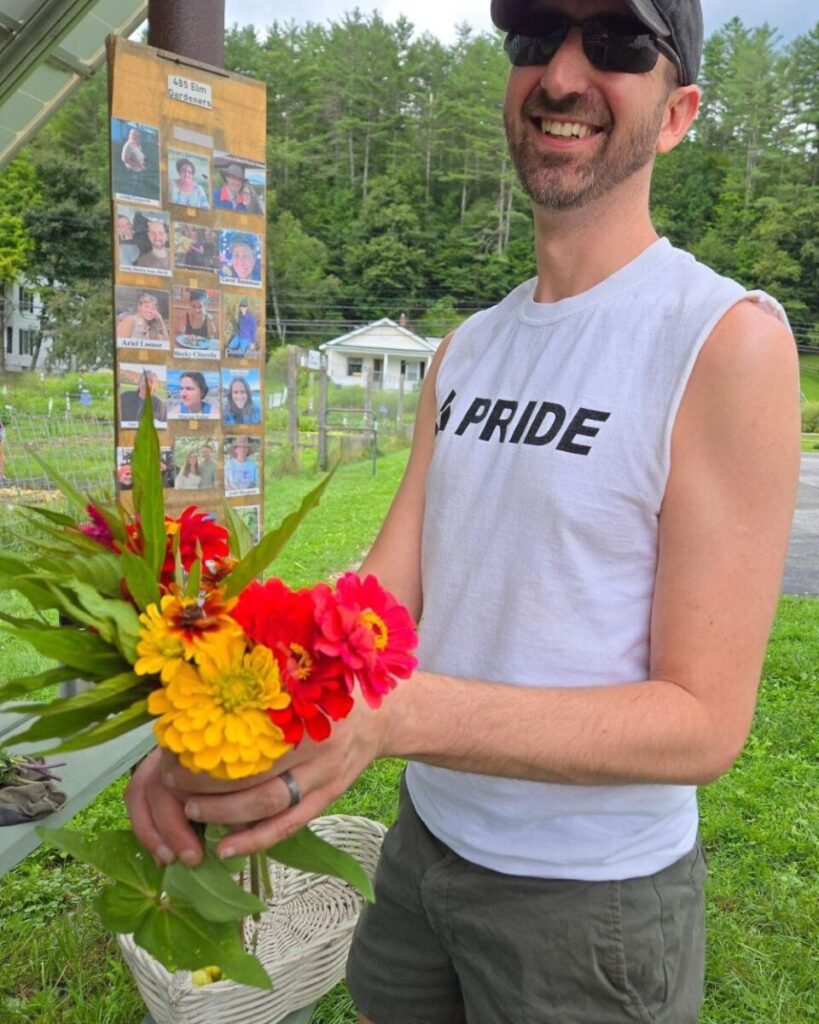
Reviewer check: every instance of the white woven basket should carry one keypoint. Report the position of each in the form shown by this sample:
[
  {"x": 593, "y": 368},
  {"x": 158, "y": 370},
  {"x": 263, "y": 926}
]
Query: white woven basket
[{"x": 303, "y": 941}]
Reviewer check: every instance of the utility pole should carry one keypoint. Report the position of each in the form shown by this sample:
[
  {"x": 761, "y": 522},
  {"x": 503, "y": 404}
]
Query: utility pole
[{"x": 192, "y": 28}]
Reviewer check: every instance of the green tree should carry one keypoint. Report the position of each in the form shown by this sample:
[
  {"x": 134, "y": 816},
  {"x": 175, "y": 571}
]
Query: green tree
[{"x": 300, "y": 287}]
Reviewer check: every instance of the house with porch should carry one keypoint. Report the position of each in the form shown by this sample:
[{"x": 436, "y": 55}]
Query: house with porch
[{"x": 382, "y": 351}]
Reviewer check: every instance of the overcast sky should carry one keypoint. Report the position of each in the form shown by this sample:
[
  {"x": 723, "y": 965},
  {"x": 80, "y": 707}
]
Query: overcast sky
[{"x": 791, "y": 17}]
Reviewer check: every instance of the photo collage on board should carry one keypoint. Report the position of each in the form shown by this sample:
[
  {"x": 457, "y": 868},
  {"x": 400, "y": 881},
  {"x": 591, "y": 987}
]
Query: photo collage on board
[{"x": 189, "y": 309}]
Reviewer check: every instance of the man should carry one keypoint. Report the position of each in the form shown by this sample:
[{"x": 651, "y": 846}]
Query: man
[
  {"x": 131, "y": 403},
  {"x": 244, "y": 337},
  {"x": 207, "y": 467},
  {"x": 597, "y": 551},
  {"x": 158, "y": 257},
  {"x": 229, "y": 196}
]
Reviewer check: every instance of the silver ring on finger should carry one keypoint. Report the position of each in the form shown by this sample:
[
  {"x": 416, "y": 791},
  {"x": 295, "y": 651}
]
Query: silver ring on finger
[{"x": 292, "y": 787}]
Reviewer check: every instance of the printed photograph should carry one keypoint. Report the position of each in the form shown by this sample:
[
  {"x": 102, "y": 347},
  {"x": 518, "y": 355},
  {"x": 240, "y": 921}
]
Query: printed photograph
[
  {"x": 242, "y": 321},
  {"x": 238, "y": 184},
  {"x": 142, "y": 241},
  {"x": 193, "y": 394},
  {"x": 241, "y": 391},
  {"x": 251, "y": 517},
  {"x": 195, "y": 248},
  {"x": 135, "y": 161},
  {"x": 141, "y": 317},
  {"x": 188, "y": 179},
  {"x": 242, "y": 474},
  {"x": 194, "y": 462},
  {"x": 240, "y": 259},
  {"x": 136, "y": 384},
  {"x": 195, "y": 323}
]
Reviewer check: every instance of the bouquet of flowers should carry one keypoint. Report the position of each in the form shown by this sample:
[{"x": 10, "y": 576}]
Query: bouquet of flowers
[{"x": 167, "y": 619}]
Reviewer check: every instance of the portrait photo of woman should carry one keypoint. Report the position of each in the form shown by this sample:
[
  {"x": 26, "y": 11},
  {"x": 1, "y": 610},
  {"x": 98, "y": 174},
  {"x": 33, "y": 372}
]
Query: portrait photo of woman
[{"x": 240, "y": 408}]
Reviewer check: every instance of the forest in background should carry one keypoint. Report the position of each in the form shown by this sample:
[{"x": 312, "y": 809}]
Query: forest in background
[{"x": 390, "y": 190}]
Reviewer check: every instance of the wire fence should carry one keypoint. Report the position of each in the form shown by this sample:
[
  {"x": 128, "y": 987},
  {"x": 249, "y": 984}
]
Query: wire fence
[{"x": 80, "y": 447}]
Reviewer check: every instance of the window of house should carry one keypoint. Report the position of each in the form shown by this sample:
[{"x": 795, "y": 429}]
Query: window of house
[
  {"x": 412, "y": 371},
  {"x": 9, "y": 339},
  {"x": 26, "y": 300},
  {"x": 28, "y": 339},
  {"x": 355, "y": 366}
]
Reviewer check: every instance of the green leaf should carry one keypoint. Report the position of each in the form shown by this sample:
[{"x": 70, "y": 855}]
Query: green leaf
[
  {"x": 194, "y": 579},
  {"x": 16, "y": 688},
  {"x": 181, "y": 940},
  {"x": 81, "y": 649},
  {"x": 257, "y": 559},
  {"x": 142, "y": 583},
  {"x": 148, "y": 499},
  {"x": 121, "y": 614},
  {"x": 240, "y": 537},
  {"x": 73, "y": 496},
  {"x": 58, "y": 518},
  {"x": 214, "y": 834},
  {"x": 117, "y": 854},
  {"x": 122, "y": 909},
  {"x": 71, "y": 715},
  {"x": 210, "y": 890},
  {"x": 132, "y": 718},
  {"x": 40, "y": 597},
  {"x": 308, "y": 852}
]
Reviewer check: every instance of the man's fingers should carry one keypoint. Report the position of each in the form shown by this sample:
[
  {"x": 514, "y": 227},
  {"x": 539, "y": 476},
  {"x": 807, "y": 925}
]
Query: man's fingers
[
  {"x": 264, "y": 800},
  {"x": 273, "y": 830}
]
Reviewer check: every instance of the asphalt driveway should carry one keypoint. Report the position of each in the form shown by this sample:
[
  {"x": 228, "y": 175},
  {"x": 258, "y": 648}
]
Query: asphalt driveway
[{"x": 802, "y": 566}]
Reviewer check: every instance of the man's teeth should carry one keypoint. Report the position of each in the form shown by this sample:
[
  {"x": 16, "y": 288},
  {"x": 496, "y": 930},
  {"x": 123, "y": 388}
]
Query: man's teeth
[{"x": 565, "y": 129}]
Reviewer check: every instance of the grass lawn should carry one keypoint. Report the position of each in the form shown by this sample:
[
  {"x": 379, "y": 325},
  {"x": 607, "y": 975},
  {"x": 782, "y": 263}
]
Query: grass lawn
[
  {"x": 759, "y": 826},
  {"x": 809, "y": 377}
]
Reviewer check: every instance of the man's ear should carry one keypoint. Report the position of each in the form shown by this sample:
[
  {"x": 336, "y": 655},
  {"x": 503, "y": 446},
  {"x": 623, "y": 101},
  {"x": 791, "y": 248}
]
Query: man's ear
[{"x": 680, "y": 110}]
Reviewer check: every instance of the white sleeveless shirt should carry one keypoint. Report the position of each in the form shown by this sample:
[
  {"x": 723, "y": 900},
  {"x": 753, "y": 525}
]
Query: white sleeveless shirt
[{"x": 540, "y": 544}]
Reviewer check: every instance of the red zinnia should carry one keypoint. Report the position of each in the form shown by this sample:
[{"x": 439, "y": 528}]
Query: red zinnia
[
  {"x": 194, "y": 527},
  {"x": 283, "y": 620},
  {"x": 369, "y": 630}
]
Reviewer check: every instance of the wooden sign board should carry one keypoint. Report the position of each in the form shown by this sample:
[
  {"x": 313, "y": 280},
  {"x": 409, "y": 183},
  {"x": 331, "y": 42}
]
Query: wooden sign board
[{"x": 188, "y": 199}]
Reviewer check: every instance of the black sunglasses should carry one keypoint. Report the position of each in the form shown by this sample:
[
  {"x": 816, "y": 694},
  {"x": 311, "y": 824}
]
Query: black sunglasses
[{"x": 610, "y": 42}]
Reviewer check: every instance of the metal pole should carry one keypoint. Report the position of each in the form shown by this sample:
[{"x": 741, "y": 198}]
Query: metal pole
[
  {"x": 192, "y": 28},
  {"x": 322, "y": 414},
  {"x": 293, "y": 401}
]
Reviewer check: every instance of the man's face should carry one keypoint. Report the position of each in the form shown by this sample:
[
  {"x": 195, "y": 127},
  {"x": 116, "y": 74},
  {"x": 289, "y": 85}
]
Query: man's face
[
  {"x": 156, "y": 234},
  {"x": 240, "y": 452},
  {"x": 206, "y": 454},
  {"x": 124, "y": 229},
  {"x": 233, "y": 183},
  {"x": 574, "y": 132},
  {"x": 242, "y": 261}
]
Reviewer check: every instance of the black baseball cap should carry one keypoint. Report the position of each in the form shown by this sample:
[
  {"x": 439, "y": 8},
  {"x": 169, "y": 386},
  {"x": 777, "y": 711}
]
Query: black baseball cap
[{"x": 678, "y": 22}]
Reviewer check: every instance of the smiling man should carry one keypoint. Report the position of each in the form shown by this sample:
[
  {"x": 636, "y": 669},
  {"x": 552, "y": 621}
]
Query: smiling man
[{"x": 591, "y": 529}]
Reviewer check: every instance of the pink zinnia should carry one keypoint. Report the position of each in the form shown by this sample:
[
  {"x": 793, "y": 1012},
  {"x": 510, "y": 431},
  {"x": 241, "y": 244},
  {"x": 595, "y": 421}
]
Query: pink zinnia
[{"x": 369, "y": 630}]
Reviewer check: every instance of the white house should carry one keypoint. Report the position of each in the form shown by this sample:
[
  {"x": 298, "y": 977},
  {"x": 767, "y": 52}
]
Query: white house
[
  {"x": 384, "y": 350},
  {"x": 20, "y": 309}
]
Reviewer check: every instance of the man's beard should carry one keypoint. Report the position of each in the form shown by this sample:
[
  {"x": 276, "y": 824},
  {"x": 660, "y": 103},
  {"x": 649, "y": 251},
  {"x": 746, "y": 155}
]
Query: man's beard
[{"x": 560, "y": 181}]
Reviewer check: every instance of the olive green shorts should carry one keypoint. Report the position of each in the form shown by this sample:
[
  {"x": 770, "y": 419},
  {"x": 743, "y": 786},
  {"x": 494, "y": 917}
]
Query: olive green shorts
[{"x": 448, "y": 942}]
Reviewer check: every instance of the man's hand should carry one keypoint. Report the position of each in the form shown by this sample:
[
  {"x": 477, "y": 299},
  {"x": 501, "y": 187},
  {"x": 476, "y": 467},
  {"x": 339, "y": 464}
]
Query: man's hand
[{"x": 163, "y": 797}]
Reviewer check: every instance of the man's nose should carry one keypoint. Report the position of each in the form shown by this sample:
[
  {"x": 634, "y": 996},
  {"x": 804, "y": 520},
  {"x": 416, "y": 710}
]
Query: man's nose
[{"x": 569, "y": 71}]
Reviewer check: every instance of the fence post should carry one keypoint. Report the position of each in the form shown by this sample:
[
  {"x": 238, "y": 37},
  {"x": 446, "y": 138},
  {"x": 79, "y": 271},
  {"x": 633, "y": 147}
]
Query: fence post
[
  {"x": 399, "y": 412},
  {"x": 368, "y": 395},
  {"x": 293, "y": 402},
  {"x": 322, "y": 415}
]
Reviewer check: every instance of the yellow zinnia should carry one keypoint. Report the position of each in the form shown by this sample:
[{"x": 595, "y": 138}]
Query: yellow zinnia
[
  {"x": 213, "y": 715},
  {"x": 179, "y": 626}
]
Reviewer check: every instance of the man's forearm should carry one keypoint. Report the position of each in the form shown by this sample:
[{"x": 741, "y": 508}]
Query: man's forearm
[{"x": 653, "y": 731}]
